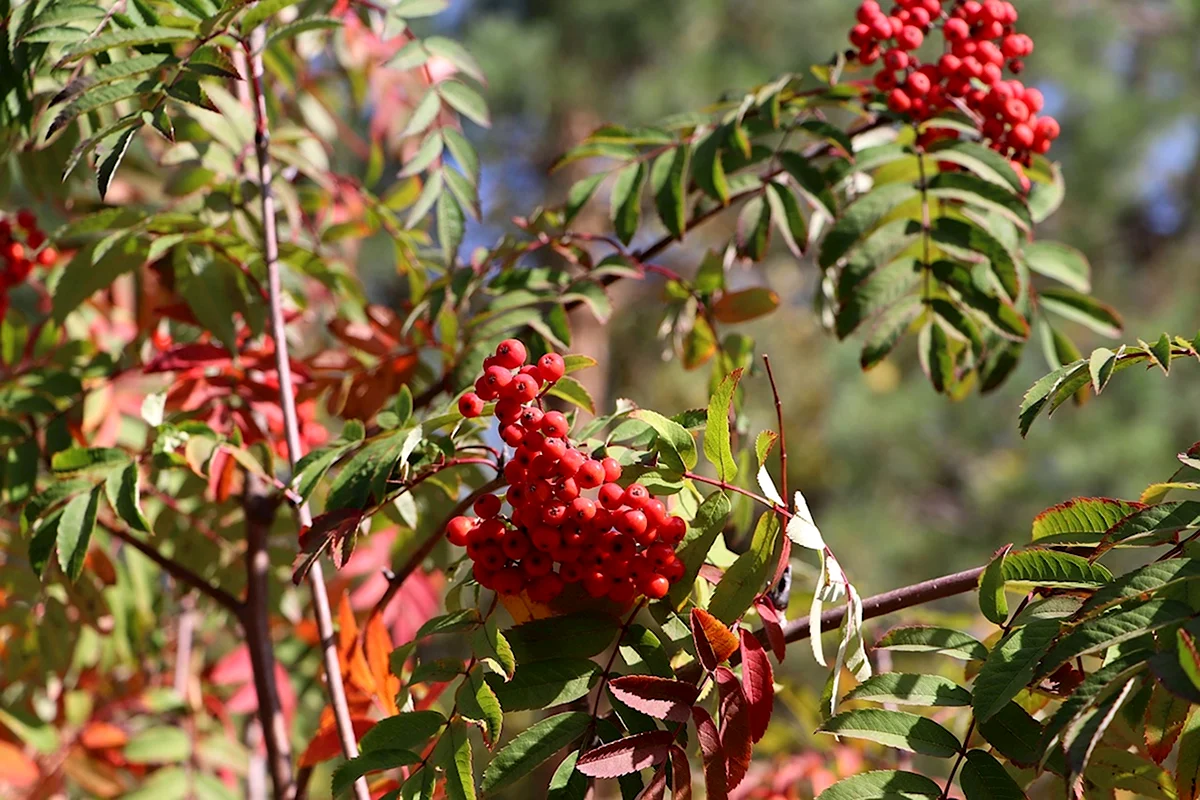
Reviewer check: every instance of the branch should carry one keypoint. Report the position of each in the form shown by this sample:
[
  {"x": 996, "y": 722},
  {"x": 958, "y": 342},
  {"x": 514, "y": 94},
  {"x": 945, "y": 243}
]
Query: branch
[
  {"x": 259, "y": 510},
  {"x": 176, "y": 570},
  {"x": 396, "y": 580},
  {"x": 287, "y": 398}
]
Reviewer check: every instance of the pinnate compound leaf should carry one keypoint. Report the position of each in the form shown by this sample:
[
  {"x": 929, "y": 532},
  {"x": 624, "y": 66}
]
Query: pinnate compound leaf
[
  {"x": 661, "y": 698},
  {"x": 758, "y": 682},
  {"x": 1150, "y": 578},
  {"x": 860, "y": 218},
  {"x": 453, "y": 755},
  {"x": 715, "y": 643},
  {"x": 625, "y": 202},
  {"x": 911, "y": 690},
  {"x": 1011, "y": 666},
  {"x": 129, "y": 37},
  {"x": 624, "y": 756},
  {"x": 928, "y": 639},
  {"x": 476, "y": 702},
  {"x": 531, "y": 747},
  {"x": 125, "y": 497},
  {"x": 898, "y": 729},
  {"x": 885, "y": 783},
  {"x": 1083, "y": 520},
  {"x": 1121, "y": 625},
  {"x": 985, "y": 778},
  {"x": 1155, "y": 523},
  {"x": 677, "y": 447},
  {"x": 545, "y": 684}
]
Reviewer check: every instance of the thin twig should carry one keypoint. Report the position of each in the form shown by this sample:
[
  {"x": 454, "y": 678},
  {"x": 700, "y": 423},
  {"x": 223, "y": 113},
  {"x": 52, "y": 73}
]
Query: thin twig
[
  {"x": 606, "y": 676},
  {"x": 173, "y": 568},
  {"x": 183, "y": 645},
  {"x": 785, "y": 551},
  {"x": 287, "y": 399}
]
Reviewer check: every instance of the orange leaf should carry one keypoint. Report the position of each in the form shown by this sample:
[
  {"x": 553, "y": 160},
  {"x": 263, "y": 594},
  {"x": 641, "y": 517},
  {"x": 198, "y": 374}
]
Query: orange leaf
[
  {"x": 347, "y": 626},
  {"x": 377, "y": 644},
  {"x": 102, "y": 735},
  {"x": 326, "y": 744},
  {"x": 16, "y": 769},
  {"x": 714, "y": 642},
  {"x": 745, "y": 305}
]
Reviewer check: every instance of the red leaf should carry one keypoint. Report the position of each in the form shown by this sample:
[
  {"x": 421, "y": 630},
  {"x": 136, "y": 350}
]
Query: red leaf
[
  {"x": 681, "y": 774},
  {"x": 17, "y": 769},
  {"x": 771, "y": 624},
  {"x": 735, "y": 726},
  {"x": 98, "y": 735},
  {"x": 631, "y": 754},
  {"x": 714, "y": 642},
  {"x": 326, "y": 744},
  {"x": 758, "y": 682},
  {"x": 189, "y": 356},
  {"x": 713, "y": 755},
  {"x": 662, "y": 698},
  {"x": 657, "y": 787}
]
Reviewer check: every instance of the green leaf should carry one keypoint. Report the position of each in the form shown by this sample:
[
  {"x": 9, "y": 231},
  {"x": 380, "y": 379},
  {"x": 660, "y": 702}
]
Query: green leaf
[
  {"x": 533, "y": 746},
  {"x": 982, "y": 161},
  {"x": 707, "y": 170},
  {"x": 1109, "y": 630},
  {"x": 451, "y": 226},
  {"x": 574, "y": 392},
  {"x": 476, "y": 702},
  {"x": 743, "y": 581},
  {"x": 625, "y": 201},
  {"x": 456, "y": 54},
  {"x": 422, "y": 117},
  {"x": 643, "y": 653},
  {"x": 1010, "y": 666},
  {"x": 787, "y": 216},
  {"x": 347, "y": 773},
  {"x": 968, "y": 241},
  {"x": 75, "y": 531},
  {"x": 1083, "y": 520},
  {"x": 898, "y": 729},
  {"x": 466, "y": 101},
  {"x": 545, "y": 684},
  {"x": 809, "y": 181},
  {"x": 1146, "y": 581},
  {"x": 860, "y": 218},
  {"x": 885, "y": 784},
  {"x": 579, "y": 635},
  {"x": 567, "y": 783},
  {"x": 453, "y": 755},
  {"x": 985, "y": 778},
  {"x": 314, "y": 22},
  {"x": 1187, "y": 767},
  {"x": 1060, "y": 262},
  {"x": 1082, "y": 736},
  {"x": 580, "y": 192},
  {"x": 82, "y": 278},
  {"x": 41, "y": 542},
  {"x": 413, "y": 9},
  {"x": 260, "y": 12},
  {"x": 1087, "y": 311},
  {"x": 753, "y": 232},
  {"x": 130, "y": 37},
  {"x": 888, "y": 329},
  {"x": 992, "y": 601},
  {"x": 112, "y": 160},
  {"x": 489, "y": 643},
  {"x": 1050, "y": 568},
  {"x": 716, "y": 431},
  {"x": 1100, "y": 367},
  {"x": 676, "y": 446},
  {"x": 162, "y": 745},
  {"x": 467, "y": 619},
  {"x": 937, "y": 362},
  {"x": 911, "y": 690},
  {"x": 984, "y": 194},
  {"x": 88, "y": 460},
  {"x": 124, "y": 496},
  {"x": 1095, "y": 687},
  {"x": 1111, "y": 768},
  {"x": 409, "y": 730},
  {"x": 668, "y": 181},
  {"x": 702, "y": 533},
  {"x": 1155, "y": 523},
  {"x": 926, "y": 639}
]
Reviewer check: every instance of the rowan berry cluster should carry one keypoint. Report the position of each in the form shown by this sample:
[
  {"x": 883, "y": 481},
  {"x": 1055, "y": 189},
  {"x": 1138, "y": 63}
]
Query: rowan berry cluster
[
  {"x": 19, "y": 252},
  {"x": 979, "y": 43},
  {"x": 567, "y": 518}
]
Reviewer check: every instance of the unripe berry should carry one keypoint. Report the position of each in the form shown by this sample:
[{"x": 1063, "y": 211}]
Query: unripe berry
[
  {"x": 457, "y": 530},
  {"x": 510, "y": 354},
  {"x": 551, "y": 367}
]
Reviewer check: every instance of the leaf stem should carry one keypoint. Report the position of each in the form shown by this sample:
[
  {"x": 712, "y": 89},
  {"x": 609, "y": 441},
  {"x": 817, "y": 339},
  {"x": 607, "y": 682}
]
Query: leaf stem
[
  {"x": 739, "y": 490},
  {"x": 607, "y": 674}
]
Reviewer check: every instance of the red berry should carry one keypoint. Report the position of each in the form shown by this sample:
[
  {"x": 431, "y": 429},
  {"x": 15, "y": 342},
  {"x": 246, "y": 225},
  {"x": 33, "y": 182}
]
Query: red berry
[
  {"x": 660, "y": 554},
  {"x": 860, "y": 35},
  {"x": 656, "y": 513},
  {"x": 487, "y": 506},
  {"x": 896, "y": 59},
  {"x": 674, "y": 570},
  {"x": 536, "y": 564},
  {"x": 469, "y": 405},
  {"x": 457, "y": 530},
  {"x": 636, "y": 495},
  {"x": 657, "y": 587},
  {"x": 570, "y": 572},
  {"x": 551, "y": 367},
  {"x": 485, "y": 390},
  {"x": 632, "y": 523},
  {"x": 26, "y": 219},
  {"x": 14, "y": 252},
  {"x": 570, "y": 463},
  {"x": 881, "y": 27},
  {"x": 486, "y": 577},
  {"x": 47, "y": 257},
  {"x": 497, "y": 378},
  {"x": 623, "y": 592},
  {"x": 611, "y": 496},
  {"x": 554, "y": 447},
  {"x": 868, "y": 11},
  {"x": 672, "y": 531},
  {"x": 515, "y": 545},
  {"x": 524, "y": 388},
  {"x": 884, "y": 81},
  {"x": 612, "y": 469},
  {"x": 554, "y": 423},
  {"x": 910, "y": 37},
  {"x": 596, "y": 584},
  {"x": 898, "y": 101},
  {"x": 583, "y": 509},
  {"x": 509, "y": 580},
  {"x": 1022, "y": 136},
  {"x": 918, "y": 84},
  {"x": 1048, "y": 128},
  {"x": 510, "y": 354},
  {"x": 956, "y": 28},
  {"x": 590, "y": 474},
  {"x": 507, "y": 410},
  {"x": 545, "y": 588},
  {"x": 531, "y": 418},
  {"x": 568, "y": 489},
  {"x": 512, "y": 435},
  {"x": 554, "y": 514},
  {"x": 545, "y": 538}
]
